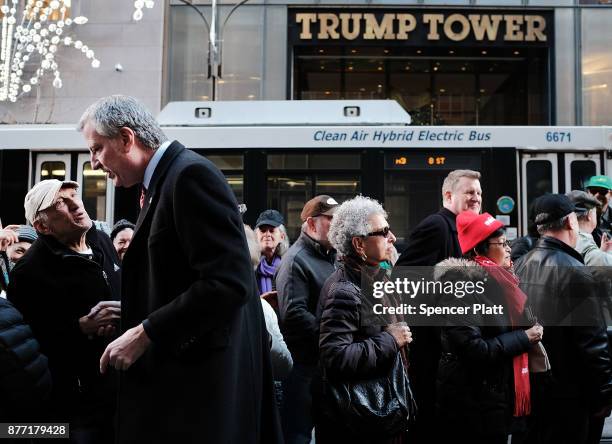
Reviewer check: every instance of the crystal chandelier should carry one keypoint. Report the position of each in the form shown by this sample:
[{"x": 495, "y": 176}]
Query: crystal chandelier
[
  {"x": 138, "y": 5},
  {"x": 31, "y": 36}
]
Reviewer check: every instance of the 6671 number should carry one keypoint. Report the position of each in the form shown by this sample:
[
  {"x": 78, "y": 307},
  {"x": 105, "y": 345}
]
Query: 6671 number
[{"x": 558, "y": 136}]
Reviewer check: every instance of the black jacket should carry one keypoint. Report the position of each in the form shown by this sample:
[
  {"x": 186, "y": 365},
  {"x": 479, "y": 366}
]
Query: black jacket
[
  {"x": 522, "y": 246},
  {"x": 25, "y": 381},
  {"x": 349, "y": 350},
  {"x": 299, "y": 279},
  {"x": 433, "y": 240},
  {"x": 475, "y": 390},
  {"x": 52, "y": 286},
  {"x": 187, "y": 276},
  {"x": 563, "y": 295},
  {"x": 604, "y": 225}
]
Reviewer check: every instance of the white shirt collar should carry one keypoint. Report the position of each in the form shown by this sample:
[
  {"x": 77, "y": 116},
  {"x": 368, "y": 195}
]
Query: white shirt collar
[{"x": 159, "y": 152}]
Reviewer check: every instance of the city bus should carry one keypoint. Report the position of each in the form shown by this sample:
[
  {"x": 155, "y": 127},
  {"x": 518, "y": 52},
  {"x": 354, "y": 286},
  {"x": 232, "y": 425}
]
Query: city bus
[{"x": 279, "y": 154}]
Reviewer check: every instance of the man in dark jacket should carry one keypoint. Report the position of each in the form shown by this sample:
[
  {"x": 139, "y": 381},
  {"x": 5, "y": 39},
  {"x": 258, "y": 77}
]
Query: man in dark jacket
[
  {"x": 433, "y": 240},
  {"x": 563, "y": 296},
  {"x": 67, "y": 288},
  {"x": 300, "y": 277},
  {"x": 25, "y": 381},
  {"x": 194, "y": 354}
]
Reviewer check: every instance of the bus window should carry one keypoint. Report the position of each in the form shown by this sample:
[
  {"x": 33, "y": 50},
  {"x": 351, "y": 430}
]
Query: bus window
[
  {"x": 231, "y": 165},
  {"x": 539, "y": 179},
  {"x": 53, "y": 170},
  {"x": 580, "y": 172},
  {"x": 236, "y": 183},
  {"x": 288, "y": 194},
  {"x": 340, "y": 189},
  {"x": 409, "y": 198},
  {"x": 94, "y": 192}
]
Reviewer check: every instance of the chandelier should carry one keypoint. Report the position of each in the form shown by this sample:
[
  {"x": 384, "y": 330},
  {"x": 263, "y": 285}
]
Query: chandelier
[{"x": 31, "y": 36}]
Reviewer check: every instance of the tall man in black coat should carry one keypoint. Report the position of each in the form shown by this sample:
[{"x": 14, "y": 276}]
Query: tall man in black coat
[
  {"x": 194, "y": 354},
  {"x": 433, "y": 240}
]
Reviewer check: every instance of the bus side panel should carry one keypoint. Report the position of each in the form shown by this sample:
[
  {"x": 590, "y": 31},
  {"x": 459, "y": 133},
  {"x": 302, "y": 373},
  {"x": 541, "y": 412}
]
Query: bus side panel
[{"x": 14, "y": 167}]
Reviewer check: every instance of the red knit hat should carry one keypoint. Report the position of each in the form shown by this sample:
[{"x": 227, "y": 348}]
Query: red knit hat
[{"x": 474, "y": 228}]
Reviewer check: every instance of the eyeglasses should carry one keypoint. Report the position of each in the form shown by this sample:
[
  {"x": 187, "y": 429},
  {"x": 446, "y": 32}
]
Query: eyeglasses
[
  {"x": 384, "y": 232},
  {"x": 504, "y": 243}
]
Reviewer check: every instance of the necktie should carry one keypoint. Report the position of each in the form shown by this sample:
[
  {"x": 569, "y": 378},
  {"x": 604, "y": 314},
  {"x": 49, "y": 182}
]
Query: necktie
[{"x": 143, "y": 192}]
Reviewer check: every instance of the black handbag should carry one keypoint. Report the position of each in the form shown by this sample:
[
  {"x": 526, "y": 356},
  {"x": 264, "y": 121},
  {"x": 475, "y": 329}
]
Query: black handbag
[{"x": 381, "y": 407}]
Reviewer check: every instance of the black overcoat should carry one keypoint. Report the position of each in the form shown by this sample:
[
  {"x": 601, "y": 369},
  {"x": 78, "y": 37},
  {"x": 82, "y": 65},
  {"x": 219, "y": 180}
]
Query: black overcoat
[{"x": 187, "y": 276}]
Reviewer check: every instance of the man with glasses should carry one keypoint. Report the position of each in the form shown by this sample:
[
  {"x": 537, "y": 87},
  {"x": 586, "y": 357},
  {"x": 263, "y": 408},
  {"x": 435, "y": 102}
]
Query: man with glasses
[
  {"x": 601, "y": 188},
  {"x": 67, "y": 287},
  {"x": 301, "y": 275}
]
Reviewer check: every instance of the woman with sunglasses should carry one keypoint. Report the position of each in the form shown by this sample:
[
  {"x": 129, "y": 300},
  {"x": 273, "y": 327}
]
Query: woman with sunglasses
[
  {"x": 350, "y": 351},
  {"x": 483, "y": 376}
]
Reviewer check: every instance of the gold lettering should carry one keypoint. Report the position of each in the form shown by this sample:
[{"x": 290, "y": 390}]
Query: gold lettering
[
  {"x": 406, "y": 24},
  {"x": 485, "y": 23},
  {"x": 448, "y": 27},
  {"x": 536, "y": 24},
  {"x": 434, "y": 20},
  {"x": 328, "y": 25},
  {"x": 513, "y": 28},
  {"x": 374, "y": 30},
  {"x": 305, "y": 20},
  {"x": 345, "y": 19}
]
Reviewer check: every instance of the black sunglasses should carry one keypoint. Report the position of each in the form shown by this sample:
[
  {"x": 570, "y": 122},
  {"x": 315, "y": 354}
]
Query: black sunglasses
[{"x": 384, "y": 232}]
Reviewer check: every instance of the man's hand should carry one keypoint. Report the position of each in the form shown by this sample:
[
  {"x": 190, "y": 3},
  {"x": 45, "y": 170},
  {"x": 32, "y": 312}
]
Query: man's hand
[
  {"x": 7, "y": 237},
  {"x": 101, "y": 319},
  {"x": 125, "y": 350}
]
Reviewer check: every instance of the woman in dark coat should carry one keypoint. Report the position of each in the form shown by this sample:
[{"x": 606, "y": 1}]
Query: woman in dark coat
[
  {"x": 483, "y": 376},
  {"x": 349, "y": 351}
]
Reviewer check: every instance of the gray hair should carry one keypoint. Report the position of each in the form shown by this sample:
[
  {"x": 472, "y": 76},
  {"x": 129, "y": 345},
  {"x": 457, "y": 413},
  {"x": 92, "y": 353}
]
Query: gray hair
[
  {"x": 451, "y": 181},
  {"x": 352, "y": 219},
  {"x": 109, "y": 114},
  {"x": 555, "y": 225}
]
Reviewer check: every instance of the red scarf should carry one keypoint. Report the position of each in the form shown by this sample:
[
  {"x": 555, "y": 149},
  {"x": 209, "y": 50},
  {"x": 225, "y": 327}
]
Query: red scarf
[{"x": 515, "y": 301}]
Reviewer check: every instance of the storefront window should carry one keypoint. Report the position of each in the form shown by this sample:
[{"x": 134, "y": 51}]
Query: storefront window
[{"x": 468, "y": 86}]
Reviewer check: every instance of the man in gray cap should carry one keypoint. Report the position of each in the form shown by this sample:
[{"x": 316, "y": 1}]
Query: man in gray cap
[
  {"x": 302, "y": 272},
  {"x": 67, "y": 288},
  {"x": 586, "y": 211}
]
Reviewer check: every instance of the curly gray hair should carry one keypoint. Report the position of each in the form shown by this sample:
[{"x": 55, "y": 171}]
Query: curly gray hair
[
  {"x": 109, "y": 114},
  {"x": 351, "y": 219}
]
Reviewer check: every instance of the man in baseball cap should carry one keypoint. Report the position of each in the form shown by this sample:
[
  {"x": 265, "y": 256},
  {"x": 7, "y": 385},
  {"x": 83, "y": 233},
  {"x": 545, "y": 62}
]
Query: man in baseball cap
[
  {"x": 301, "y": 275},
  {"x": 43, "y": 195},
  {"x": 566, "y": 299},
  {"x": 601, "y": 188},
  {"x": 67, "y": 287}
]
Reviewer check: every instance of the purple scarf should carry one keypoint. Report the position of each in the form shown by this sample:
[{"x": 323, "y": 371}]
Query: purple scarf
[{"x": 266, "y": 272}]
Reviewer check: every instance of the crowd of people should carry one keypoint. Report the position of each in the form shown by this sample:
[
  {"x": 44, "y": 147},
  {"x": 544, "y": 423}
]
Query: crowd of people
[{"x": 190, "y": 326}]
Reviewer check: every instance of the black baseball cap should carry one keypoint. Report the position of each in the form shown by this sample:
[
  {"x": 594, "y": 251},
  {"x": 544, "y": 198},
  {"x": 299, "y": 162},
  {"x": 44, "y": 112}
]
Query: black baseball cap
[
  {"x": 552, "y": 207},
  {"x": 270, "y": 217}
]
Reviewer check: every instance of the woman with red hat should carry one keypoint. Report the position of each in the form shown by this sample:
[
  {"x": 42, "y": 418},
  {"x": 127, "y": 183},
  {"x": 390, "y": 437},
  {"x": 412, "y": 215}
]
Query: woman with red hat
[{"x": 483, "y": 377}]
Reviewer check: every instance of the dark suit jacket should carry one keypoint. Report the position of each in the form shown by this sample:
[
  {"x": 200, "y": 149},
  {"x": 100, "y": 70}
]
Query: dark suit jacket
[
  {"x": 206, "y": 376},
  {"x": 433, "y": 240}
]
